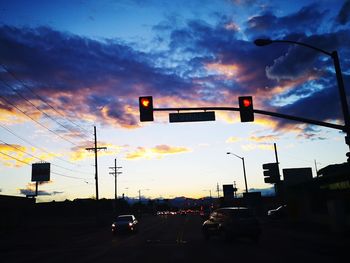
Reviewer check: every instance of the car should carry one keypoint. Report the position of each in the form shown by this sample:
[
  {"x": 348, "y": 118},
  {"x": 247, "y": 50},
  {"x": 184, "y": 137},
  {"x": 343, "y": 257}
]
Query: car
[
  {"x": 232, "y": 222},
  {"x": 279, "y": 212},
  {"x": 125, "y": 224}
]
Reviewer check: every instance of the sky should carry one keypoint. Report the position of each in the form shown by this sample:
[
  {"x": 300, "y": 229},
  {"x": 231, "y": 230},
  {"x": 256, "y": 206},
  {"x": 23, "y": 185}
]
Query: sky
[{"x": 67, "y": 66}]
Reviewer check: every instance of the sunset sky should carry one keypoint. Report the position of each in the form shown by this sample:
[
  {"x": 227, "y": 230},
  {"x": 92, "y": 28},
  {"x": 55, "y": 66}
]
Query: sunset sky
[{"x": 67, "y": 66}]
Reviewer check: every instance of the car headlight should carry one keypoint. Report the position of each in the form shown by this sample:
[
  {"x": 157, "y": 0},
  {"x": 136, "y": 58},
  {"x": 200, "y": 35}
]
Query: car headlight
[
  {"x": 113, "y": 225},
  {"x": 130, "y": 224}
]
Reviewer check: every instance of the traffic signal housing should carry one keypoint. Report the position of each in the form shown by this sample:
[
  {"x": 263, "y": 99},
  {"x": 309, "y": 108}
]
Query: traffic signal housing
[
  {"x": 246, "y": 108},
  {"x": 146, "y": 108},
  {"x": 271, "y": 173}
]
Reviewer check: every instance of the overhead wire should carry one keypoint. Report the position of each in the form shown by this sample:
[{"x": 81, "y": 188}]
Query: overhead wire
[
  {"x": 42, "y": 125},
  {"x": 19, "y": 160},
  {"x": 59, "y": 166},
  {"x": 42, "y": 99},
  {"x": 51, "y": 154}
]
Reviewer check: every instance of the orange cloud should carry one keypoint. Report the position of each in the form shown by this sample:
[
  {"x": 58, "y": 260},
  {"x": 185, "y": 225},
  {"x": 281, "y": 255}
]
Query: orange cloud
[
  {"x": 14, "y": 155},
  {"x": 228, "y": 70},
  {"x": 17, "y": 156},
  {"x": 156, "y": 152},
  {"x": 79, "y": 153}
]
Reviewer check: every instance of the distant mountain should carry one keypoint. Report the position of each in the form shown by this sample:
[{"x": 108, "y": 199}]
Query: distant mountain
[{"x": 264, "y": 191}]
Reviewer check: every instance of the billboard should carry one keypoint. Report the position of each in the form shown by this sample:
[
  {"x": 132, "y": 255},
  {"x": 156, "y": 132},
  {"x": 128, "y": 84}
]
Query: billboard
[
  {"x": 40, "y": 172},
  {"x": 228, "y": 191},
  {"x": 293, "y": 176}
]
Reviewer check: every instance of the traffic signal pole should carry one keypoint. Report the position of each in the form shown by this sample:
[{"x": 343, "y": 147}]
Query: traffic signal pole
[
  {"x": 263, "y": 112},
  {"x": 340, "y": 82}
]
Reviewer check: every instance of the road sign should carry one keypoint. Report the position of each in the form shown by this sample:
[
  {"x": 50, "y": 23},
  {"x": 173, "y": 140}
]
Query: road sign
[
  {"x": 40, "y": 172},
  {"x": 192, "y": 116}
]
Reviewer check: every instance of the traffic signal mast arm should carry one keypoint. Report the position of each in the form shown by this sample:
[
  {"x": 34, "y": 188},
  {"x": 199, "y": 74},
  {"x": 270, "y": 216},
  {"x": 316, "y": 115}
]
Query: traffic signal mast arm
[{"x": 263, "y": 112}]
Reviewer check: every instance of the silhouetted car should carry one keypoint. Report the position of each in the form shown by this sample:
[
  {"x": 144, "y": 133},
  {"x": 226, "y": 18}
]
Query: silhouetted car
[
  {"x": 279, "y": 212},
  {"x": 232, "y": 222},
  {"x": 124, "y": 224}
]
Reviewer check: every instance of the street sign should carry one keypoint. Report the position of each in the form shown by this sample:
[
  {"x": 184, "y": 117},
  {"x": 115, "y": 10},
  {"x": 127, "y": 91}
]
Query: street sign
[
  {"x": 192, "y": 116},
  {"x": 40, "y": 172}
]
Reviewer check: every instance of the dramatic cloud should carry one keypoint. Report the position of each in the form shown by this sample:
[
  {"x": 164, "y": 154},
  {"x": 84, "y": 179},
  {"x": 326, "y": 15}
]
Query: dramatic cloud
[
  {"x": 200, "y": 64},
  {"x": 268, "y": 24}
]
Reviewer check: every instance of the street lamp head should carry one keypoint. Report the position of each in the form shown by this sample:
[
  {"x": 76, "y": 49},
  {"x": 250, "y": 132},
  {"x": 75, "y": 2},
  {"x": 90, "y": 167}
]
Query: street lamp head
[
  {"x": 228, "y": 153},
  {"x": 262, "y": 42}
]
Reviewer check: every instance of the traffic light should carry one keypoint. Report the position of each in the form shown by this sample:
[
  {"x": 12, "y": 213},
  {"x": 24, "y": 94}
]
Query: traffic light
[
  {"x": 146, "y": 108},
  {"x": 271, "y": 173},
  {"x": 246, "y": 108}
]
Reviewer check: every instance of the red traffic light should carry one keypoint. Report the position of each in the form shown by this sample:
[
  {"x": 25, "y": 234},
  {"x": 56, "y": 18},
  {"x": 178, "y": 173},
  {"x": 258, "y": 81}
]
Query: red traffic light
[
  {"x": 247, "y": 102},
  {"x": 146, "y": 108},
  {"x": 145, "y": 102},
  {"x": 246, "y": 108}
]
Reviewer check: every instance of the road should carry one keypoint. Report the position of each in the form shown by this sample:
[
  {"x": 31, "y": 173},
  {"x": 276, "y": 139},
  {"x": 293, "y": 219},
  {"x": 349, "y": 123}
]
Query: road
[{"x": 175, "y": 238}]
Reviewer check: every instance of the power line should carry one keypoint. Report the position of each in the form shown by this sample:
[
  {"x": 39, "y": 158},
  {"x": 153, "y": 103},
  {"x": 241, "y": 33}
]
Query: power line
[
  {"x": 68, "y": 176},
  {"x": 19, "y": 149},
  {"x": 15, "y": 158},
  {"x": 73, "y": 177},
  {"x": 51, "y": 154},
  {"x": 41, "y": 98},
  {"x": 47, "y": 115},
  {"x": 42, "y": 125}
]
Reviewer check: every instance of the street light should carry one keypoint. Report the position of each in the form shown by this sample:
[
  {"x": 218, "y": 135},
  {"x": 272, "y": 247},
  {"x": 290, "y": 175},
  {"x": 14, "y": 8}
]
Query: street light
[
  {"x": 245, "y": 177},
  {"x": 341, "y": 88}
]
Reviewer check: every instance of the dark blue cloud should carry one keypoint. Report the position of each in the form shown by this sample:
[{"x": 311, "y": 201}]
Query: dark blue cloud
[
  {"x": 307, "y": 20},
  {"x": 344, "y": 14},
  {"x": 108, "y": 75},
  {"x": 53, "y": 62}
]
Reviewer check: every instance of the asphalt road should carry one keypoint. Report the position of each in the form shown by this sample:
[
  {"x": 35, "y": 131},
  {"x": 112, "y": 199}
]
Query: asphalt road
[{"x": 175, "y": 238}]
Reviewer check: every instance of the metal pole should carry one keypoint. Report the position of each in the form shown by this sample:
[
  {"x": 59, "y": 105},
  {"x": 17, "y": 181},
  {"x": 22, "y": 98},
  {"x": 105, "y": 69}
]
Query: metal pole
[
  {"x": 115, "y": 181},
  {"x": 341, "y": 88},
  {"x": 316, "y": 168},
  {"x": 343, "y": 99},
  {"x": 244, "y": 172},
  {"x": 96, "y": 169},
  {"x": 245, "y": 177}
]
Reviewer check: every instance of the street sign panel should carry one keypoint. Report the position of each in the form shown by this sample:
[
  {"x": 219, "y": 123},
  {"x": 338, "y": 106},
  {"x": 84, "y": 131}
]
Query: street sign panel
[
  {"x": 40, "y": 172},
  {"x": 192, "y": 116}
]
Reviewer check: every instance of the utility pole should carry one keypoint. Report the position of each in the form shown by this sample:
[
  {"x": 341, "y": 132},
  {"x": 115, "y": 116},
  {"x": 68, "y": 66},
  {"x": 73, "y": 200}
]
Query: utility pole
[
  {"x": 95, "y": 149},
  {"x": 115, "y": 174},
  {"x": 316, "y": 168}
]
